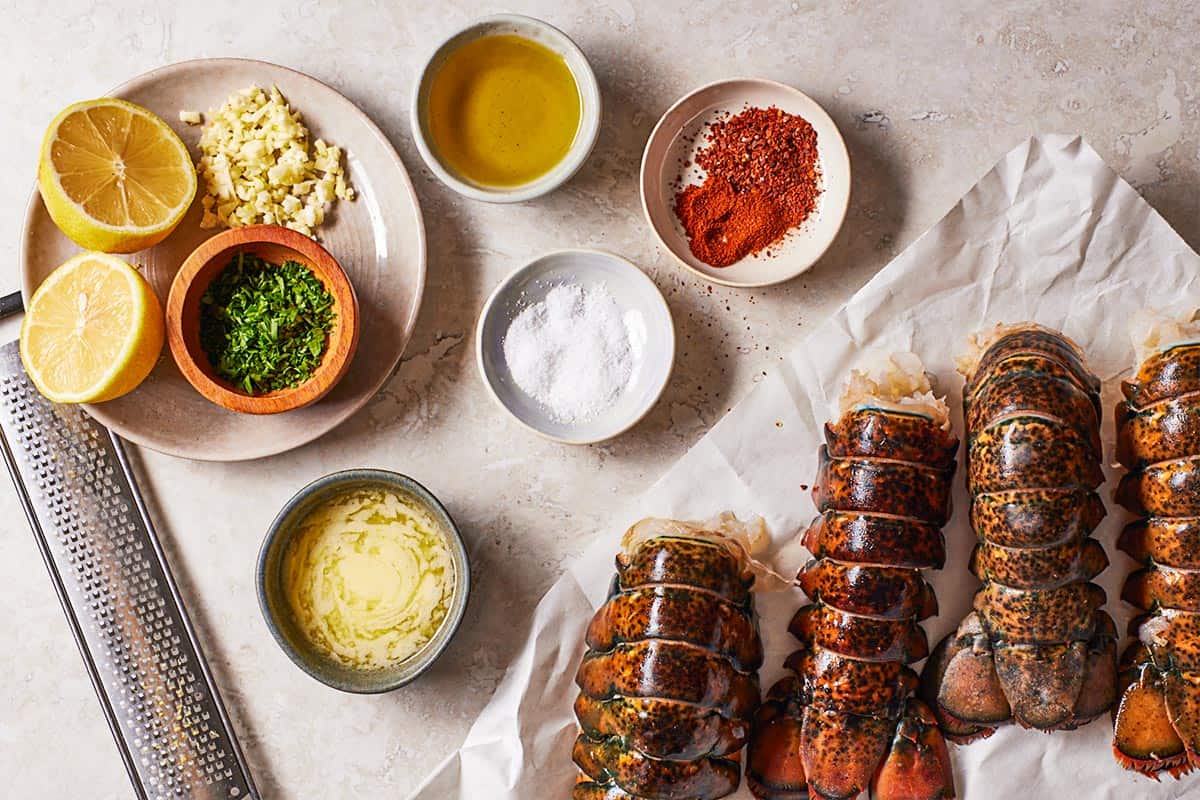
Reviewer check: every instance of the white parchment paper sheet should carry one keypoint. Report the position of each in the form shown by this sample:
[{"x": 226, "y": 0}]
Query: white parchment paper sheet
[{"x": 1050, "y": 234}]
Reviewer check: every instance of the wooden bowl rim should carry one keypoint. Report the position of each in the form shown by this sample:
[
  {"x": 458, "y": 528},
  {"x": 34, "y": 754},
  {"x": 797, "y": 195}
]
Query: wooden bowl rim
[{"x": 196, "y": 367}]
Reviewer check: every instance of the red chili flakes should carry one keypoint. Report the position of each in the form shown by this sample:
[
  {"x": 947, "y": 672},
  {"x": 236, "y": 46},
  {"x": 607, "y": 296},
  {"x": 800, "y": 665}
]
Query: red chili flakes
[{"x": 762, "y": 179}]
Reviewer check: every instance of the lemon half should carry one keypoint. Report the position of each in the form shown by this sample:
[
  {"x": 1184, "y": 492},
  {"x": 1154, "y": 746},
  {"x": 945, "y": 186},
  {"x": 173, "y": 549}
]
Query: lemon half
[
  {"x": 114, "y": 177},
  {"x": 92, "y": 332}
]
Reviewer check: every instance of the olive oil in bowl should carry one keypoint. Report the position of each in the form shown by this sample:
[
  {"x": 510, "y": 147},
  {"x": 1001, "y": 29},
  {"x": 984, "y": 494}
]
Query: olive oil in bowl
[{"x": 503, "y": 110}]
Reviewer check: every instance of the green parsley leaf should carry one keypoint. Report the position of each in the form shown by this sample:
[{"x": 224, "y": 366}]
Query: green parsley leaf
[{"x": 265, "y": 326}]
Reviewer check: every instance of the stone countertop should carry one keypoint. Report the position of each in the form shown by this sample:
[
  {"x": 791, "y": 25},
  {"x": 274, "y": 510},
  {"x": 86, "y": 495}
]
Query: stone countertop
[{"x": 928, "y": 99}]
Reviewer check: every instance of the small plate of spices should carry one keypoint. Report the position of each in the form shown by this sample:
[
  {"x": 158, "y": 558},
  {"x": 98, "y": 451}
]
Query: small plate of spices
[{"x": 746, "y": 181}]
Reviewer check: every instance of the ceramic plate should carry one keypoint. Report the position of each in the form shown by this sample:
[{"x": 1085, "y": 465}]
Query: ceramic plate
[
  {"x": 379, "y": 239},
  {"x": 680, "y": 133},
  {"x": 646, "y": 313}
]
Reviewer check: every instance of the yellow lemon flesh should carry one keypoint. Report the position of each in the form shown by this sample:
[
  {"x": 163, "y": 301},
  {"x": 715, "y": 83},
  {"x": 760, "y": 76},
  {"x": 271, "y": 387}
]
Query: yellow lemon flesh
[
  {"x": 114, "y": 177},
  {"x": 92, "y": 332}
]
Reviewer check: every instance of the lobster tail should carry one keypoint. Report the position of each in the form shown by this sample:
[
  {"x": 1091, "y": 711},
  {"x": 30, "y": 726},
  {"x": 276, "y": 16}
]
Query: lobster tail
[
  {"x": 846, "y": 720},
  {"x": 1157, "y": 723},
  {"x": 669, "y": 683},
  {"x": 917, "y": 764},
  {"x": 1037, "y": 648}
]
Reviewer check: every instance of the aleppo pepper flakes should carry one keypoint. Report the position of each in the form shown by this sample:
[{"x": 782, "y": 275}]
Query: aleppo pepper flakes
[{"x": 762, "y": 180}]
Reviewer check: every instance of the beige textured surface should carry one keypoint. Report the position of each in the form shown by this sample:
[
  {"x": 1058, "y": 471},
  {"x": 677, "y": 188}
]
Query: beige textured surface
[{"x": 927, "y": 101}]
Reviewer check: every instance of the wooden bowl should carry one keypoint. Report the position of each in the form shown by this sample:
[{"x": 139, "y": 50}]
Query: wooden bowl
[{"x": 275, "y": 244}]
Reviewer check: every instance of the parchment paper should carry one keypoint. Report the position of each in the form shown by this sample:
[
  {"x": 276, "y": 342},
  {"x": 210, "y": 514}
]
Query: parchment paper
[{"x": 1050, "y": 234}]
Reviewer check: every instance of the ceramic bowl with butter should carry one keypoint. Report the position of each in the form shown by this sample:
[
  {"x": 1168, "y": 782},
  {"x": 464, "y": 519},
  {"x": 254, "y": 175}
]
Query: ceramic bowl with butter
[{"x": 363, "y": 580}]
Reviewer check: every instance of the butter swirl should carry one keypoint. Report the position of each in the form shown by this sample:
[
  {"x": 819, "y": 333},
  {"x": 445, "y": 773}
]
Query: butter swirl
[{"x": 369, "y": 577}]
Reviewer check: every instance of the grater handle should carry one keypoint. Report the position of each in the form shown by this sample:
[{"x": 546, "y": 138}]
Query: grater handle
[{"x": 11, "y": 304}]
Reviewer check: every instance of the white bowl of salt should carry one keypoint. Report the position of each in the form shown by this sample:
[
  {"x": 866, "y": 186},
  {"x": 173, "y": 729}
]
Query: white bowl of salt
[{"x": 577, "y": 345}]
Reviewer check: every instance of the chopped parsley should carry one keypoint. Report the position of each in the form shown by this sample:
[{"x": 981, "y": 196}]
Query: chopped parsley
[{"x": 264, "y": 326}]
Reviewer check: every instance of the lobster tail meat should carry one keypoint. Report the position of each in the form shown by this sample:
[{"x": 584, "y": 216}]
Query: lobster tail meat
[
  {"x": 846, "y": 719},
  {"x": 1037, "y": 649},
  {"x": 669, "y": 682},
  {"x": 1157, "y": 723}
]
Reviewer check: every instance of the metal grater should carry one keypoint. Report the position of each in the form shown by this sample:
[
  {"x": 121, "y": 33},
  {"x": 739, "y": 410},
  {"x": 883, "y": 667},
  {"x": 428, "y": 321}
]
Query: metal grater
[{"x": 75, "y": 482}]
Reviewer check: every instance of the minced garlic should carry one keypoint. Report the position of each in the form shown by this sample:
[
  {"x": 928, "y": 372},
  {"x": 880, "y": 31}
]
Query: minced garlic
[{"x": 258, "y": 166}]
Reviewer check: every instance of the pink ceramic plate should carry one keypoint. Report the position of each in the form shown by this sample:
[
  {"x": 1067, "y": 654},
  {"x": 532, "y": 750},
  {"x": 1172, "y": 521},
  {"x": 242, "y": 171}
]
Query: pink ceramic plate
[{"x": 379, "y": 240}]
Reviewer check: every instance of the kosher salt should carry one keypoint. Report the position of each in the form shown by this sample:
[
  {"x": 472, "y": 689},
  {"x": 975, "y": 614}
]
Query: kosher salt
[{"x": 574, "y": 352}]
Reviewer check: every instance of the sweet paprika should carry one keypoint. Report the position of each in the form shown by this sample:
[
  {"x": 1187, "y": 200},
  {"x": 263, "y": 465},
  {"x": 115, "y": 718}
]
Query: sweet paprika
[{"x": 762, "y": 179}]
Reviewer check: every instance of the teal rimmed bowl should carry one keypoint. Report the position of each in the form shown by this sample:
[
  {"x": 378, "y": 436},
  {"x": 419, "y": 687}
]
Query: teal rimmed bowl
[{"x": 279, "y": 617}]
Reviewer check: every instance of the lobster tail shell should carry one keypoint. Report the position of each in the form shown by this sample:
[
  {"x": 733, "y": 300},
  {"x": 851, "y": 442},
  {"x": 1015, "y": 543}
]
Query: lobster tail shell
[
  {"x": 1157, "y": 723},
  {"x": 1144, "y": 737},
  {"x": 867, "y": 638},
  {"x": 775, "y": 762},
  {"x": 610, "y": 761},
  {"x": 1032, "y": 348},
  {"x": 682, "y": 615},
  {"x": 668, "y": 685},
  {"x": 1037, "y": 649},
  {"x": 1035, "y": 517},
  {"x": 661, "y": 728},
  {"x": 841, "y": 751},
  {"x": 846, "y": 720},
  {"x": 961, "y": 674},
  {"x": 868, "y": 433},
  {"x": 866, "y": 538},
  {"x": 1060, "y": 565},
  {"x": 691, "y": 562}
]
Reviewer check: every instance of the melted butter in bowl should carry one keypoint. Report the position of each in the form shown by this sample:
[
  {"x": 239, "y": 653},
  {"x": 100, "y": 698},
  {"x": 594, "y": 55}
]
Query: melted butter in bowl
[
  {"x": 368, "y": 578},
  {"x": 363, "y": 580}
]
